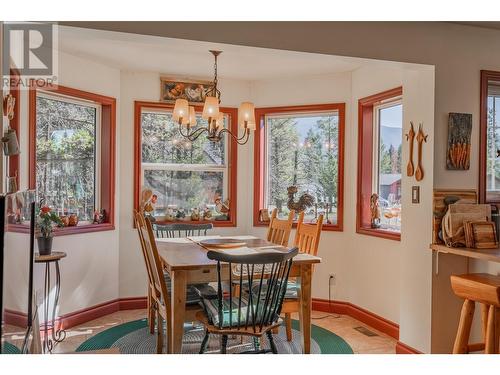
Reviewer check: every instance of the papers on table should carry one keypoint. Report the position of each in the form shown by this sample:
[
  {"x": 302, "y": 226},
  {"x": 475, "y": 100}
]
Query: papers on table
[
  {"x": 239, "y": 251},
  {"x": 245, "y": 237},
  {"x": 174, "y": 240},
  {"x": 202, "y": 238},
  {"x": 248, "y": 250}
]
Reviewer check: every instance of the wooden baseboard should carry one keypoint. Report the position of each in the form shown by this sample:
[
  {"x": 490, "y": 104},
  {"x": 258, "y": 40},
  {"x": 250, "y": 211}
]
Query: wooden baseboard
[
  {"x": 365, "y": 316},
  {"x": 75, "y": 318},
  {"x": 402, "y": 348},
  {"x": 15, "y": 318}
]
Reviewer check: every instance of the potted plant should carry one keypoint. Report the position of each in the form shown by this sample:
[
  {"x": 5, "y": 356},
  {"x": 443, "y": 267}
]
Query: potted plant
[{"x": 46, "y": 221}]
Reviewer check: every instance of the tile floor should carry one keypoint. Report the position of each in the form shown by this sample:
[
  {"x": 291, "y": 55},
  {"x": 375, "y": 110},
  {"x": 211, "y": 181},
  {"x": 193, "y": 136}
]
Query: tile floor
[{"x": 341, "y": 325}]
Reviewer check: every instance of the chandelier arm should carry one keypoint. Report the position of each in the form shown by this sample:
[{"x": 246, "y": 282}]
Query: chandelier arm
[
  {"x": 244, "y": 137},
  {"x": 194, "y": 135}
]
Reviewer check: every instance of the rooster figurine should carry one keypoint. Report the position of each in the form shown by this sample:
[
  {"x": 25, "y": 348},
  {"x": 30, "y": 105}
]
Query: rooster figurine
[{"x": 306, "y": 200}]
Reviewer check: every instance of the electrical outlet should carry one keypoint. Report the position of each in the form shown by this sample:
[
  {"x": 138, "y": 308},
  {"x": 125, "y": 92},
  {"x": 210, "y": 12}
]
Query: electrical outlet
[{"x": 332, "y": 279}]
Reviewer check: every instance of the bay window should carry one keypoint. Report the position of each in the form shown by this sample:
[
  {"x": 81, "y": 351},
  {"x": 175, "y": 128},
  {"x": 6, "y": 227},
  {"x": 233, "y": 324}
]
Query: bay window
[
  {"x": 380, "y": 136},
  {"x": 72, "y": 156},
  {"x": 186, "y": 176},
  {"x": 67, "y": 155},
  {"x": 300, "y": 147},
  {"x": 489, "y": 181}
]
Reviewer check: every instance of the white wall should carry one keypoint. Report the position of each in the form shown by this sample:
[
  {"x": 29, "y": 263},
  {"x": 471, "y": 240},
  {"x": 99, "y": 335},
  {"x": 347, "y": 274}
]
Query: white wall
[{"x": 90, "y": 271}]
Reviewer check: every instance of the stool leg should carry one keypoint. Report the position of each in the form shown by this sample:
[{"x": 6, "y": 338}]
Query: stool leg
[
  {"x": 490, "y": 346},
  {"x": 462, "y": 339},
  {"x": 484, "y": 319}
]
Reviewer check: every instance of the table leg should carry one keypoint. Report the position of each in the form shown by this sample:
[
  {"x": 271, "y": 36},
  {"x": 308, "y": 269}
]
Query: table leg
[
  {"x": 58, "y": 334},
  {"x": 47, "y": 343},
  {"x": 305, "y": 306},
  {"x": 178, "y": 311}
]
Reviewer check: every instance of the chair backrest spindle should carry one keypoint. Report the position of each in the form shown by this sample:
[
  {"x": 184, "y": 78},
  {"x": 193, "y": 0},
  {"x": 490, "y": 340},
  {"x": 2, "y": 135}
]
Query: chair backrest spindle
[
  {"x": 279, "y": 230},
  {"x": 307, "y": 235}
]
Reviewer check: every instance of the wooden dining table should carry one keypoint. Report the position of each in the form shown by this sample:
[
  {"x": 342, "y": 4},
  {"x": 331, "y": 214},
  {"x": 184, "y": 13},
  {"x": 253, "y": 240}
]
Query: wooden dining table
[{"x": 187, "y": 263}]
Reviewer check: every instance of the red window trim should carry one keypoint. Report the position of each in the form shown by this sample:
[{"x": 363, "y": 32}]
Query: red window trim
[
  {"x": 108, "y": 139},
  {"x": 259, "y": 157},
  {"x": 15, "y": 123},
  {"x": 486, "y": 75},
  {"x": 365, "y": 163},
  {"x": 232, "y": 162}
]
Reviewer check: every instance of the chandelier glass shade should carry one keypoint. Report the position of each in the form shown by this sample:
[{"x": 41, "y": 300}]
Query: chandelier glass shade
[{"x": 185, "y": 116}]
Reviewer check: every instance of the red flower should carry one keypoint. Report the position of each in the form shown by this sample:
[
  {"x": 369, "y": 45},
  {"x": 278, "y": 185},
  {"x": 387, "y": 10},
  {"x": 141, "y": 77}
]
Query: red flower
[{"x": 45, "y": 209}]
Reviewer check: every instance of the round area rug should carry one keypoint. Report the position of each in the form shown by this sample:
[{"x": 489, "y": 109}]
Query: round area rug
[
  {"x": 9, "y": 348},
  {"x": 134, "y": 338}
]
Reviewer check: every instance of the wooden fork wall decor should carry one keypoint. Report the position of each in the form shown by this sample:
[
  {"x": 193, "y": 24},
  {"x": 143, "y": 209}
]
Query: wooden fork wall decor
[
  {"x": 410, "y": 169},
  {"x": 421, "y": 138}
]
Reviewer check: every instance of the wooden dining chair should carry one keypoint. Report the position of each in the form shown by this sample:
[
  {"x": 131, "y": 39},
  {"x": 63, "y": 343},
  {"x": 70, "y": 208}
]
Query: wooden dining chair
[
  {"x": 278, "y": 231},
  {"x": 151, "y": 311},
  {"x": 254, "y": 312},
  {"x": 158, "y": 294},
  {"x": 174, "y": 230},
  {"x": 307, "y": 241}
]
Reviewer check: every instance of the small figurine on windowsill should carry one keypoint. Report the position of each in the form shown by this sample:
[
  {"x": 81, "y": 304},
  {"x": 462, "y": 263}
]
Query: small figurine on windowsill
[
  {"x": 375, "y": 211},
  {"x": 222, "y": 208},
  {"x": 207, "y": 214},
  {"x": 195, "y": 214},
  {"x": 180, "y": 215},
  {"x": 99, "y": 217}
]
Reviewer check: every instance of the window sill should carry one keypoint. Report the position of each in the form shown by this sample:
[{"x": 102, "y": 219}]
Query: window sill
[
  {"x": 381, "y": 233},
  {"x": 326, "y": 227},
  {"x": 216, "y": 223},
  {"x": 90, "y": 228}
]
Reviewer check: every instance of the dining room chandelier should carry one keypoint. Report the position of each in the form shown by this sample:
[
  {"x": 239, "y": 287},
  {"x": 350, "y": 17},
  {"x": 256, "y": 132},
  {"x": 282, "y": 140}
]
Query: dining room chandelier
[{"x": 185, "y": 115}]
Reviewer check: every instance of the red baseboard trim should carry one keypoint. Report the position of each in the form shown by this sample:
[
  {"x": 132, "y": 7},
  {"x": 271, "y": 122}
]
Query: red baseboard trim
[
  {"x": 15, "y": 318},
  {"x": 78, "y": 317},
  {"x": 402, "y": 348},
  {"x": 133, "y": 303},
  {"x": 356, "y": 312}
]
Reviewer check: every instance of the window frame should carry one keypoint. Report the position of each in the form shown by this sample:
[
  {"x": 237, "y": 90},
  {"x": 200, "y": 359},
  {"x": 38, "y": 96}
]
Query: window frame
[
  {"x": 107, "y": 155},
  {"x": 261, "y": 156},
  {"x": 97, "y": 148},
  {"x": 366, "y": 160},
  {"x": 13, "y": 160},
  {"x": 231, "y": 152},
  {"x": 486, "y": 76}
]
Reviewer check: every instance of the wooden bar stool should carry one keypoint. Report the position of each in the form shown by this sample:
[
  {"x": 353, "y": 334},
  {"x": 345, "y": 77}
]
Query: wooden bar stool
[{"x": 485, "y": 289}]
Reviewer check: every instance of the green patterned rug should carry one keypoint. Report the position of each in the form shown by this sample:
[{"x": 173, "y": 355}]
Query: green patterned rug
[
  {"x": 8, "y": 348},
  {"x": 134, "y": 338}
]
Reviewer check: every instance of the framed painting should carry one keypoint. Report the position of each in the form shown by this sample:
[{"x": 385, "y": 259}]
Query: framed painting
[
  {"x": 459, "y": 141},
  {"x": 193, "y": 91}
]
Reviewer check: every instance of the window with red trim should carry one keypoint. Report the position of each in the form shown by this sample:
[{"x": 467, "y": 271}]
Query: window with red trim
[
  {"x": 72, "y": 155},
  {"x": 191, "y": 180},
  {"x": 380, "y": 136},
  {"x": 300, "y": 146},
  {"x": 489, "y": 167},
  {"x": 13, "y": 164}
]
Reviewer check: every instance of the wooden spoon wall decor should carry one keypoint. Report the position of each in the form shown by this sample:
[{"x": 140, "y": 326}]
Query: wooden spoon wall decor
[
  {"x": 410, "y": 169},
  {"x": 421, "y": 138}
]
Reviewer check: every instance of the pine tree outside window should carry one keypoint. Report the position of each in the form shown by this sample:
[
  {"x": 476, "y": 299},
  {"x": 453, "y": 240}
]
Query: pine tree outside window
[
  {"x": 300, "y": 146},
  {"x": 67, "y": 157},
  {"x": 184, "y": 175}
]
